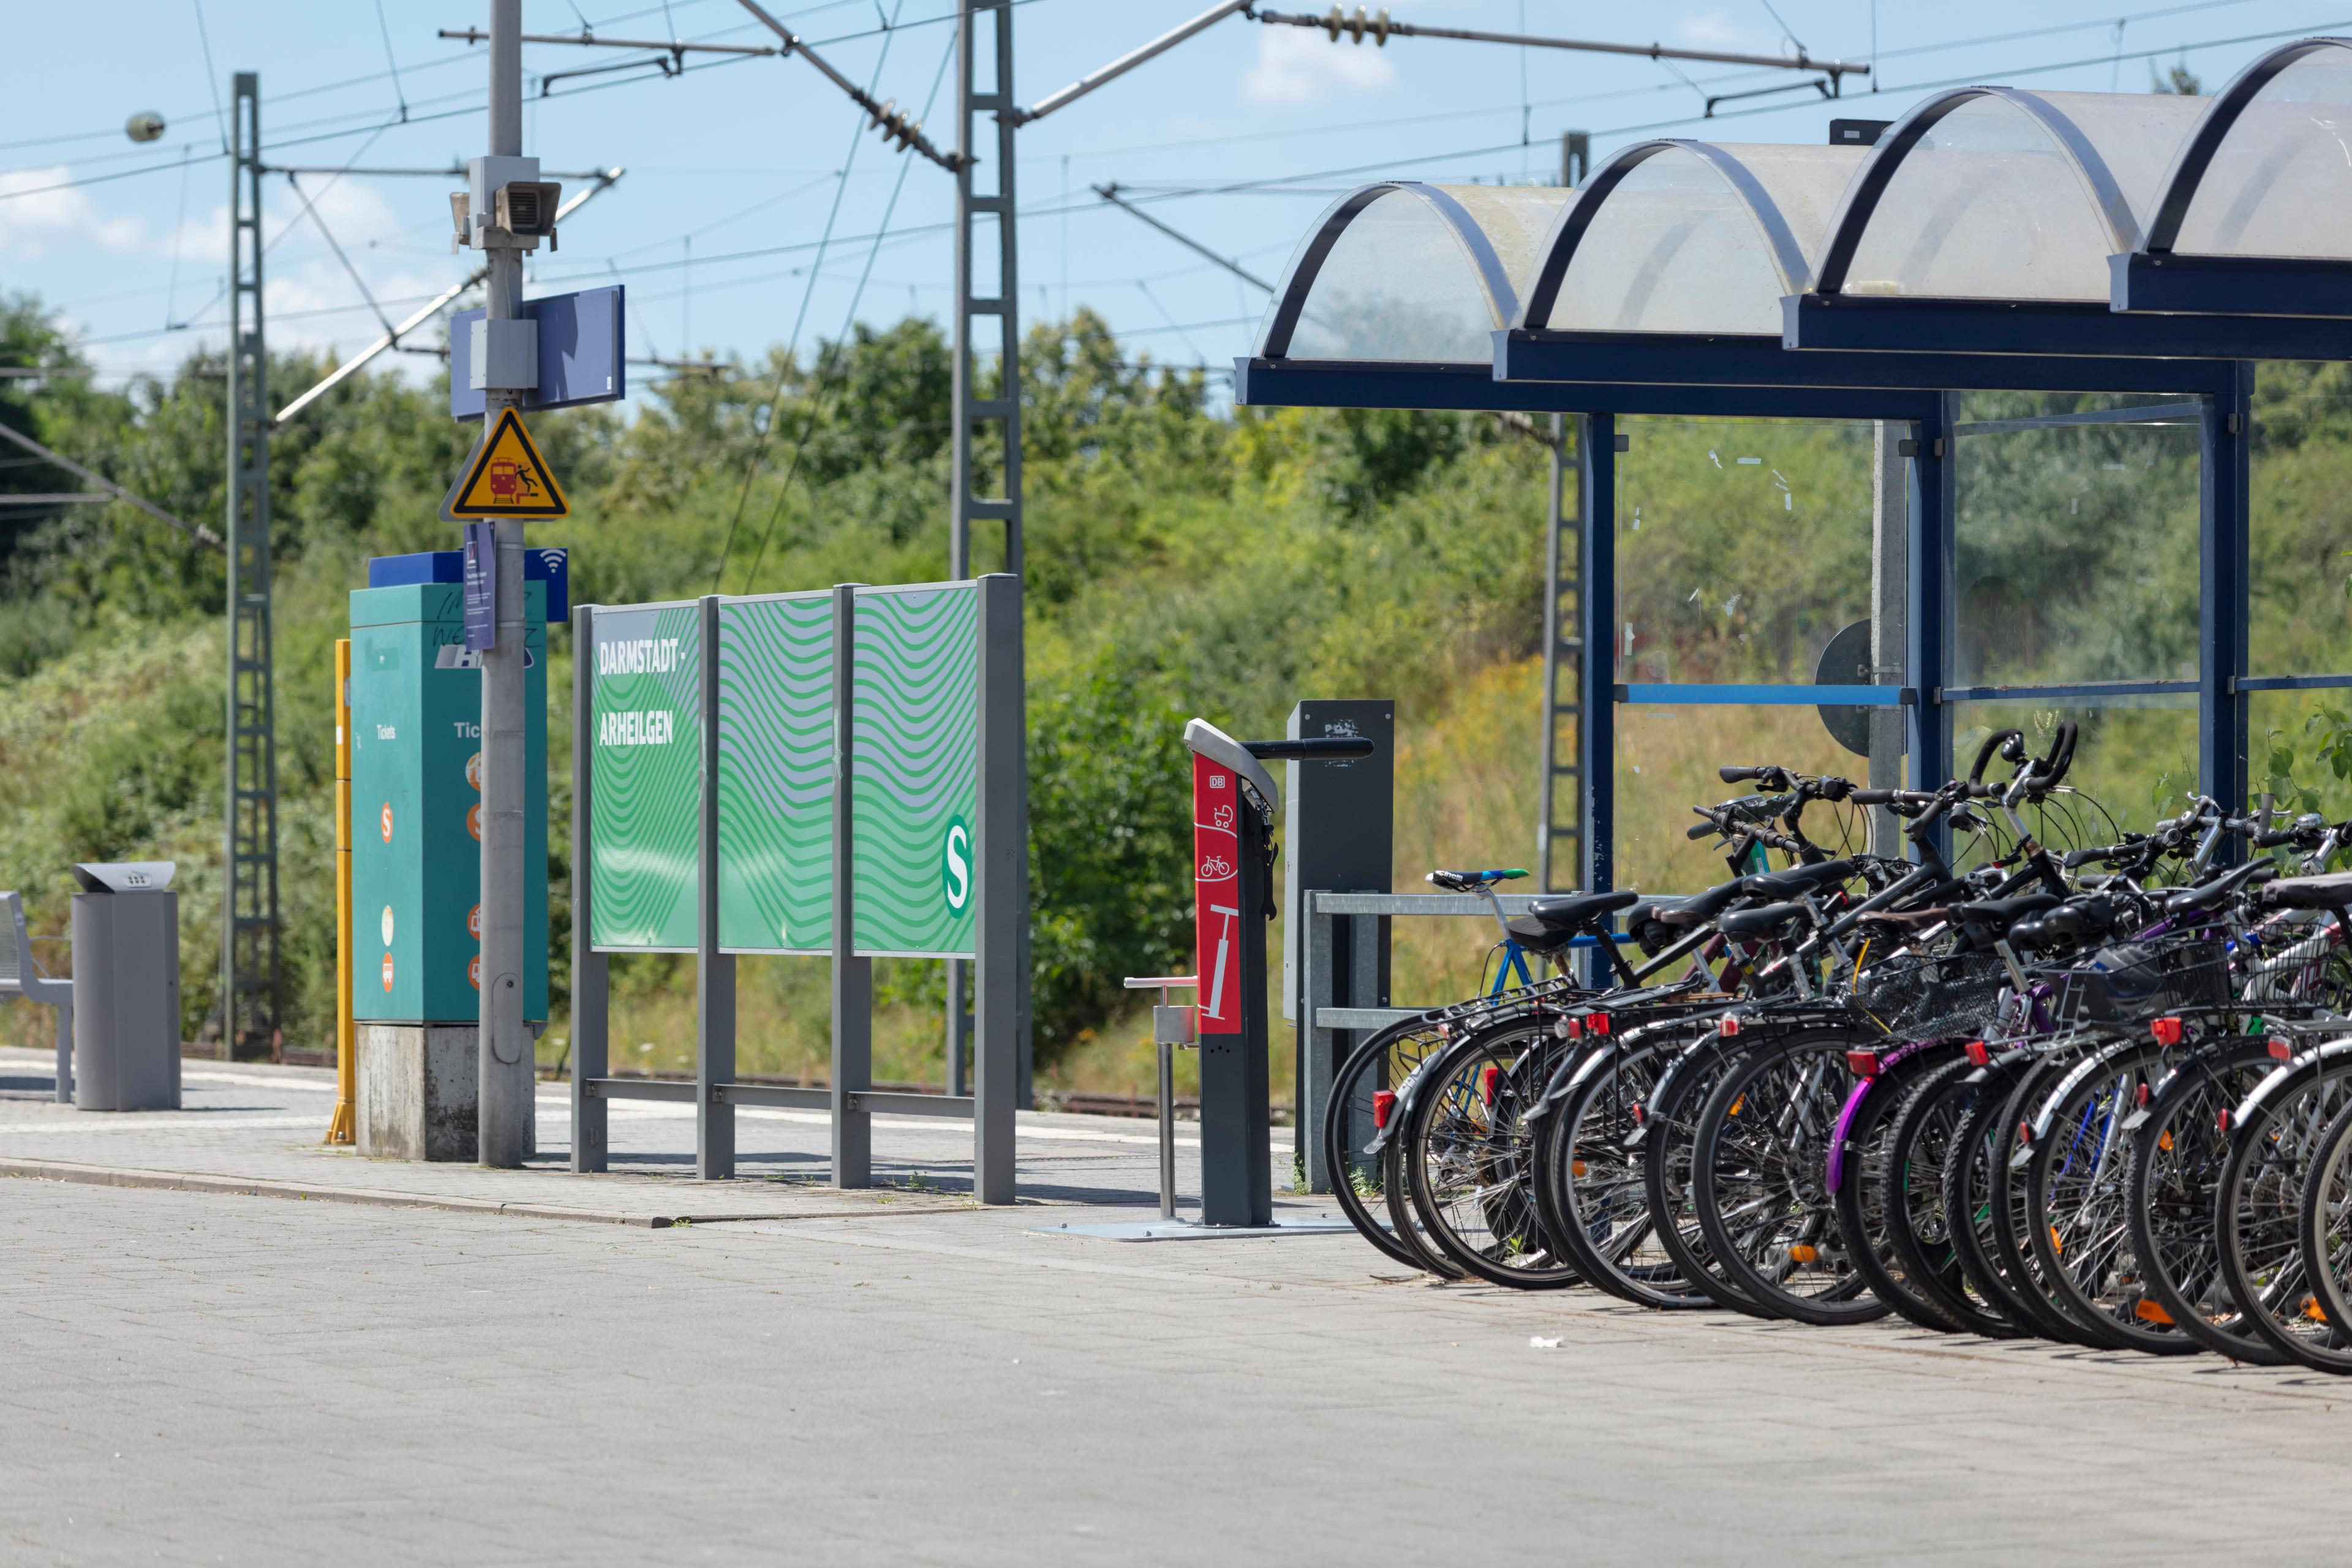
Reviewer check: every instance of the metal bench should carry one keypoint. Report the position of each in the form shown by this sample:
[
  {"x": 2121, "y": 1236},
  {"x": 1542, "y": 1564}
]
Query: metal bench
[{"x": 21, "y": 974}]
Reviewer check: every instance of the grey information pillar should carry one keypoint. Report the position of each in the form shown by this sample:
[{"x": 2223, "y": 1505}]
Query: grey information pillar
[
  {"x": 1002, "y": 892},
  {"x": 714, "y": 972},
  {"x": 853, "y": 977},
  {"x": 1339, "y": 829},
  {"x": 590, "y": 973}
]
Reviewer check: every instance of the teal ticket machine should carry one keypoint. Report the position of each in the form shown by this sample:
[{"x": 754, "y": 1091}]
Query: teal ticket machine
[{"x": 416, "y": 807}]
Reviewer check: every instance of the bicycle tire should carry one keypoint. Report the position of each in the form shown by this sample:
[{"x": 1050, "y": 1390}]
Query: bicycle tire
[
  {"x": 1368, "y": 1069},
  {"x": 1923, "y": 1143},
  {"x": 1864, "y": 1197},
  {"x": 1761, "y": 1151},
  {"x": 1594, "y": 1196},
  {"x": 1467, "y": 1154}
]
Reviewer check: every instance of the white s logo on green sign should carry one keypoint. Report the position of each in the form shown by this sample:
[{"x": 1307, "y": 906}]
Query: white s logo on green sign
[{"x": 955, "y": 865}]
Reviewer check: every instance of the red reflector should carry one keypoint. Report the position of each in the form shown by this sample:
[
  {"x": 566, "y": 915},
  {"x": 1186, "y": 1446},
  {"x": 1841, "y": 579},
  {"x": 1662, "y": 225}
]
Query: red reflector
[
  {"x": 1865, "y": 1064},
  {"x": 2167, "y": 1031},
  {"x": 1486, "y": 1083},
  {"x": 1636, "y": 1109},
  {"x": 1728, "y": 1026},
  {"x": 1597, "y": 1022},
  {"x": 2025, "y": 1131},
  {"x": 2140, "y": 1097},
  {"x": 1979, "y": 1053},
  {"x": 1575, "y": 1028},
  {"x": 1383, "y": 1106},
  {"x": 2281, "y": 1049},
  {"x": 2222, "y": 1122}
]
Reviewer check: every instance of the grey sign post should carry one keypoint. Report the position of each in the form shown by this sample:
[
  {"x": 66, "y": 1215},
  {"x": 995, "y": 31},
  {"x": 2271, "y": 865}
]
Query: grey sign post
[
  {"x": 590, "y": 977},
  {"x": 714, "y": 972},
  {"x": 1002, "y": 890},
  {"x": 853, "y": 977}
]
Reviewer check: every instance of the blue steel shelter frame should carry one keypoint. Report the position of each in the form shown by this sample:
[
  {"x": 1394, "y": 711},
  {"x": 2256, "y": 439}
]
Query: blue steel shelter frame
[{"x": 1600, "y": 377}]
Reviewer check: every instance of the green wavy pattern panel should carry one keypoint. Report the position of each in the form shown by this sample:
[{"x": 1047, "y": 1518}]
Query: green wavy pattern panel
[
  {"x": 914, "y": 772},
  {"x": 646, "y": 706},
  {"x": 776, "y": 773}
]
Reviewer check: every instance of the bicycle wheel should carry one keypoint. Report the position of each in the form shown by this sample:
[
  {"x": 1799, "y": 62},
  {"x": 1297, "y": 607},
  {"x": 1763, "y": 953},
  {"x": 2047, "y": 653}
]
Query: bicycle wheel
[
  {"x": 2326, "y": 1234},
  {"x": 2077, "y": 1186},
  {"x": 1760, "y": 1183},
  {"x": 1669, "y": 1127},
  {"x": 1922, "y": 1145},
  {"x": 1468, "y": 1155},
  {"x": 1867, "y": 1213},
  {"x": 1358, "y": 1178},
  {"x": 1591, "y": 1191},
  {"x": 1975, "y": 1181},
  {"x": 2258, "y": 1208},
  {"x": 2178, "y": 1153},
  {"x": 2011, "y": 1209}
]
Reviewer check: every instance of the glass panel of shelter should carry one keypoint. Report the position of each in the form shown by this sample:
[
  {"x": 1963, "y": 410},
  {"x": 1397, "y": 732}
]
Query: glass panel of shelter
[
  {"x": 1668, "y": 755},
  {"x": 2076, "y": 540}
]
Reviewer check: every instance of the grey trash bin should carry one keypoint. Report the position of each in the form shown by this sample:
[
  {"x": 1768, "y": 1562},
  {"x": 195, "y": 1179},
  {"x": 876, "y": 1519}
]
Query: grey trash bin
[{"x": 126, "y": 980}]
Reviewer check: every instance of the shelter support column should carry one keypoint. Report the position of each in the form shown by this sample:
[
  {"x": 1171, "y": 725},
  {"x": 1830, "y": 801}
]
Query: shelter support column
[
  {"x": 2225, "y": 504},
  {"x": 1596, "y": 729},
  {"x": 1931, "y": 500},
  {"x": 1890, "y": 604}
]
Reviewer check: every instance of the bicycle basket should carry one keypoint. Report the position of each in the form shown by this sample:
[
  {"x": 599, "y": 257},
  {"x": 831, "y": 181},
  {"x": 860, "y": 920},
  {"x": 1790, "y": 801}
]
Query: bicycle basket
[
  {"x": 2130, "y": 981},
  {"x": 1920, "y": 996}
]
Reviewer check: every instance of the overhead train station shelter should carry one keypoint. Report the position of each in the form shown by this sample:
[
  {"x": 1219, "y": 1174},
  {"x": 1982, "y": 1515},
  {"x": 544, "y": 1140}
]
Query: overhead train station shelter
[{"x": 1946, "y": 434}]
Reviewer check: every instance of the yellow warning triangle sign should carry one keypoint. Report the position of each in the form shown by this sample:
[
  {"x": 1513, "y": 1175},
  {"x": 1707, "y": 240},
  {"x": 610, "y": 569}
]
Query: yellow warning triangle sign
[{"x": 505, "y": 477}]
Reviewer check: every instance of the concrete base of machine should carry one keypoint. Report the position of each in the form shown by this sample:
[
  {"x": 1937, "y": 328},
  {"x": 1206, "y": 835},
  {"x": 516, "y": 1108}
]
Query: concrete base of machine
[{"x": 418, "y": 1089}]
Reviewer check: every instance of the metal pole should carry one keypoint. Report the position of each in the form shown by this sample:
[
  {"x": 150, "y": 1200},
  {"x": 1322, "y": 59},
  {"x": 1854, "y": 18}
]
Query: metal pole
[
  {"x": 1597, "y": 672},
  {"x": 249, "y": 961},
  {"x": 1890, "y": 588},
  {"x": 1167, "y": 1123},
  {"x": 1561, "y": 646},
  {"x": 714, "y": 1010},
  {"x": 505, "y": 1082},
  {"x": 344, "y": 1127},
  {"x": 967, "y": 504},
  {"x": 589, "y": 989},
  {"x": 1001, "y": 893},
  {"x": 853, "y": 977}
]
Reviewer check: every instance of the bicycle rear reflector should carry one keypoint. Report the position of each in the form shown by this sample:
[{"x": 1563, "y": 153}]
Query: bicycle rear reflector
[
  {"x": 1979, "y": 1053},
  {"x": 1384, "y": 1107},
  {"x": 2167, "y": 1031},
  {"x": 1863, "y": 1064}
]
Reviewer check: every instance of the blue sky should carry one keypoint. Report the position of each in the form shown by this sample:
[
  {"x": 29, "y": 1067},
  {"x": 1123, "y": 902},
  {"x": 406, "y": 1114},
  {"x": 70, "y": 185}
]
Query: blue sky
[{"x": 735, "y": 168}]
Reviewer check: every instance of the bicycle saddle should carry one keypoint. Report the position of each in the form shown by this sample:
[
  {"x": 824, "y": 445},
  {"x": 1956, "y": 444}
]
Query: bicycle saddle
[
  {"x": 1796, "y": 879},
  {"x": 2003, "y": 913},
  {"x": 2209, "y": 895},
  {"x": 1696, "y": 910},
  {"x": 1764, "y": 921},
  {"x": 2333, "y": 891},
  {"x": 1556, "y": 918}
]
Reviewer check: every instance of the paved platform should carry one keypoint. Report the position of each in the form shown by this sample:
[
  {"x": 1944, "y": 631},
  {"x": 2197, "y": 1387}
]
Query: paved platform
[
  {"x": 259, "y": 1126},
  {"x": 198, "y": 1377}
]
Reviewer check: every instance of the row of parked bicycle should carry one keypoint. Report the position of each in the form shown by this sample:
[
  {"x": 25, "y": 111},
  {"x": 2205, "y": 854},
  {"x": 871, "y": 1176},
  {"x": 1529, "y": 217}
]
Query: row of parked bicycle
[{"x": 2102, "y": 1095}]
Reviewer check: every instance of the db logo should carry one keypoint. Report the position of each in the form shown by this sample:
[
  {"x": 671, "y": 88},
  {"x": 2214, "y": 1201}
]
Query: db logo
[
  {"x": 474, "y": 923},
  {"x": 1217, "y": 781},
  {"x": 474, "y": 771},
  {"x": 474, "y": 971},
  {"x": 473, "y": 822},
  {"x": 387, "y": 971},
  {"x": 1223, "y": 817},
  {"x": 386, "y": 819}
]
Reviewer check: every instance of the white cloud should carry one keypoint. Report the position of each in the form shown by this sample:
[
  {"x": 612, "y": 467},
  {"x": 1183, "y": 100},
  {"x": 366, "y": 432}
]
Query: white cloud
[
  {"x": 47, "y": 218},
  {"x": 1301, "y": 65}
]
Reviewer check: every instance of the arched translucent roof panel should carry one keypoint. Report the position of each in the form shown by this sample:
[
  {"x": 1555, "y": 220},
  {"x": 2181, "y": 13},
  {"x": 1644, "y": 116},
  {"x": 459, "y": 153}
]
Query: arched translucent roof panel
[
  {"x": 1401, "y": 273},
  {"x": 2269, "y": 171},
  {"x": 1989, "y": 193},
  {"x": 1689, "y": 236}
]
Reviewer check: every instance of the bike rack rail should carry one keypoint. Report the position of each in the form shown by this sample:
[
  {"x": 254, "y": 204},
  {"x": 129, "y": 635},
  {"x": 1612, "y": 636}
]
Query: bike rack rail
[{"x": 1323, "y": 1022}]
